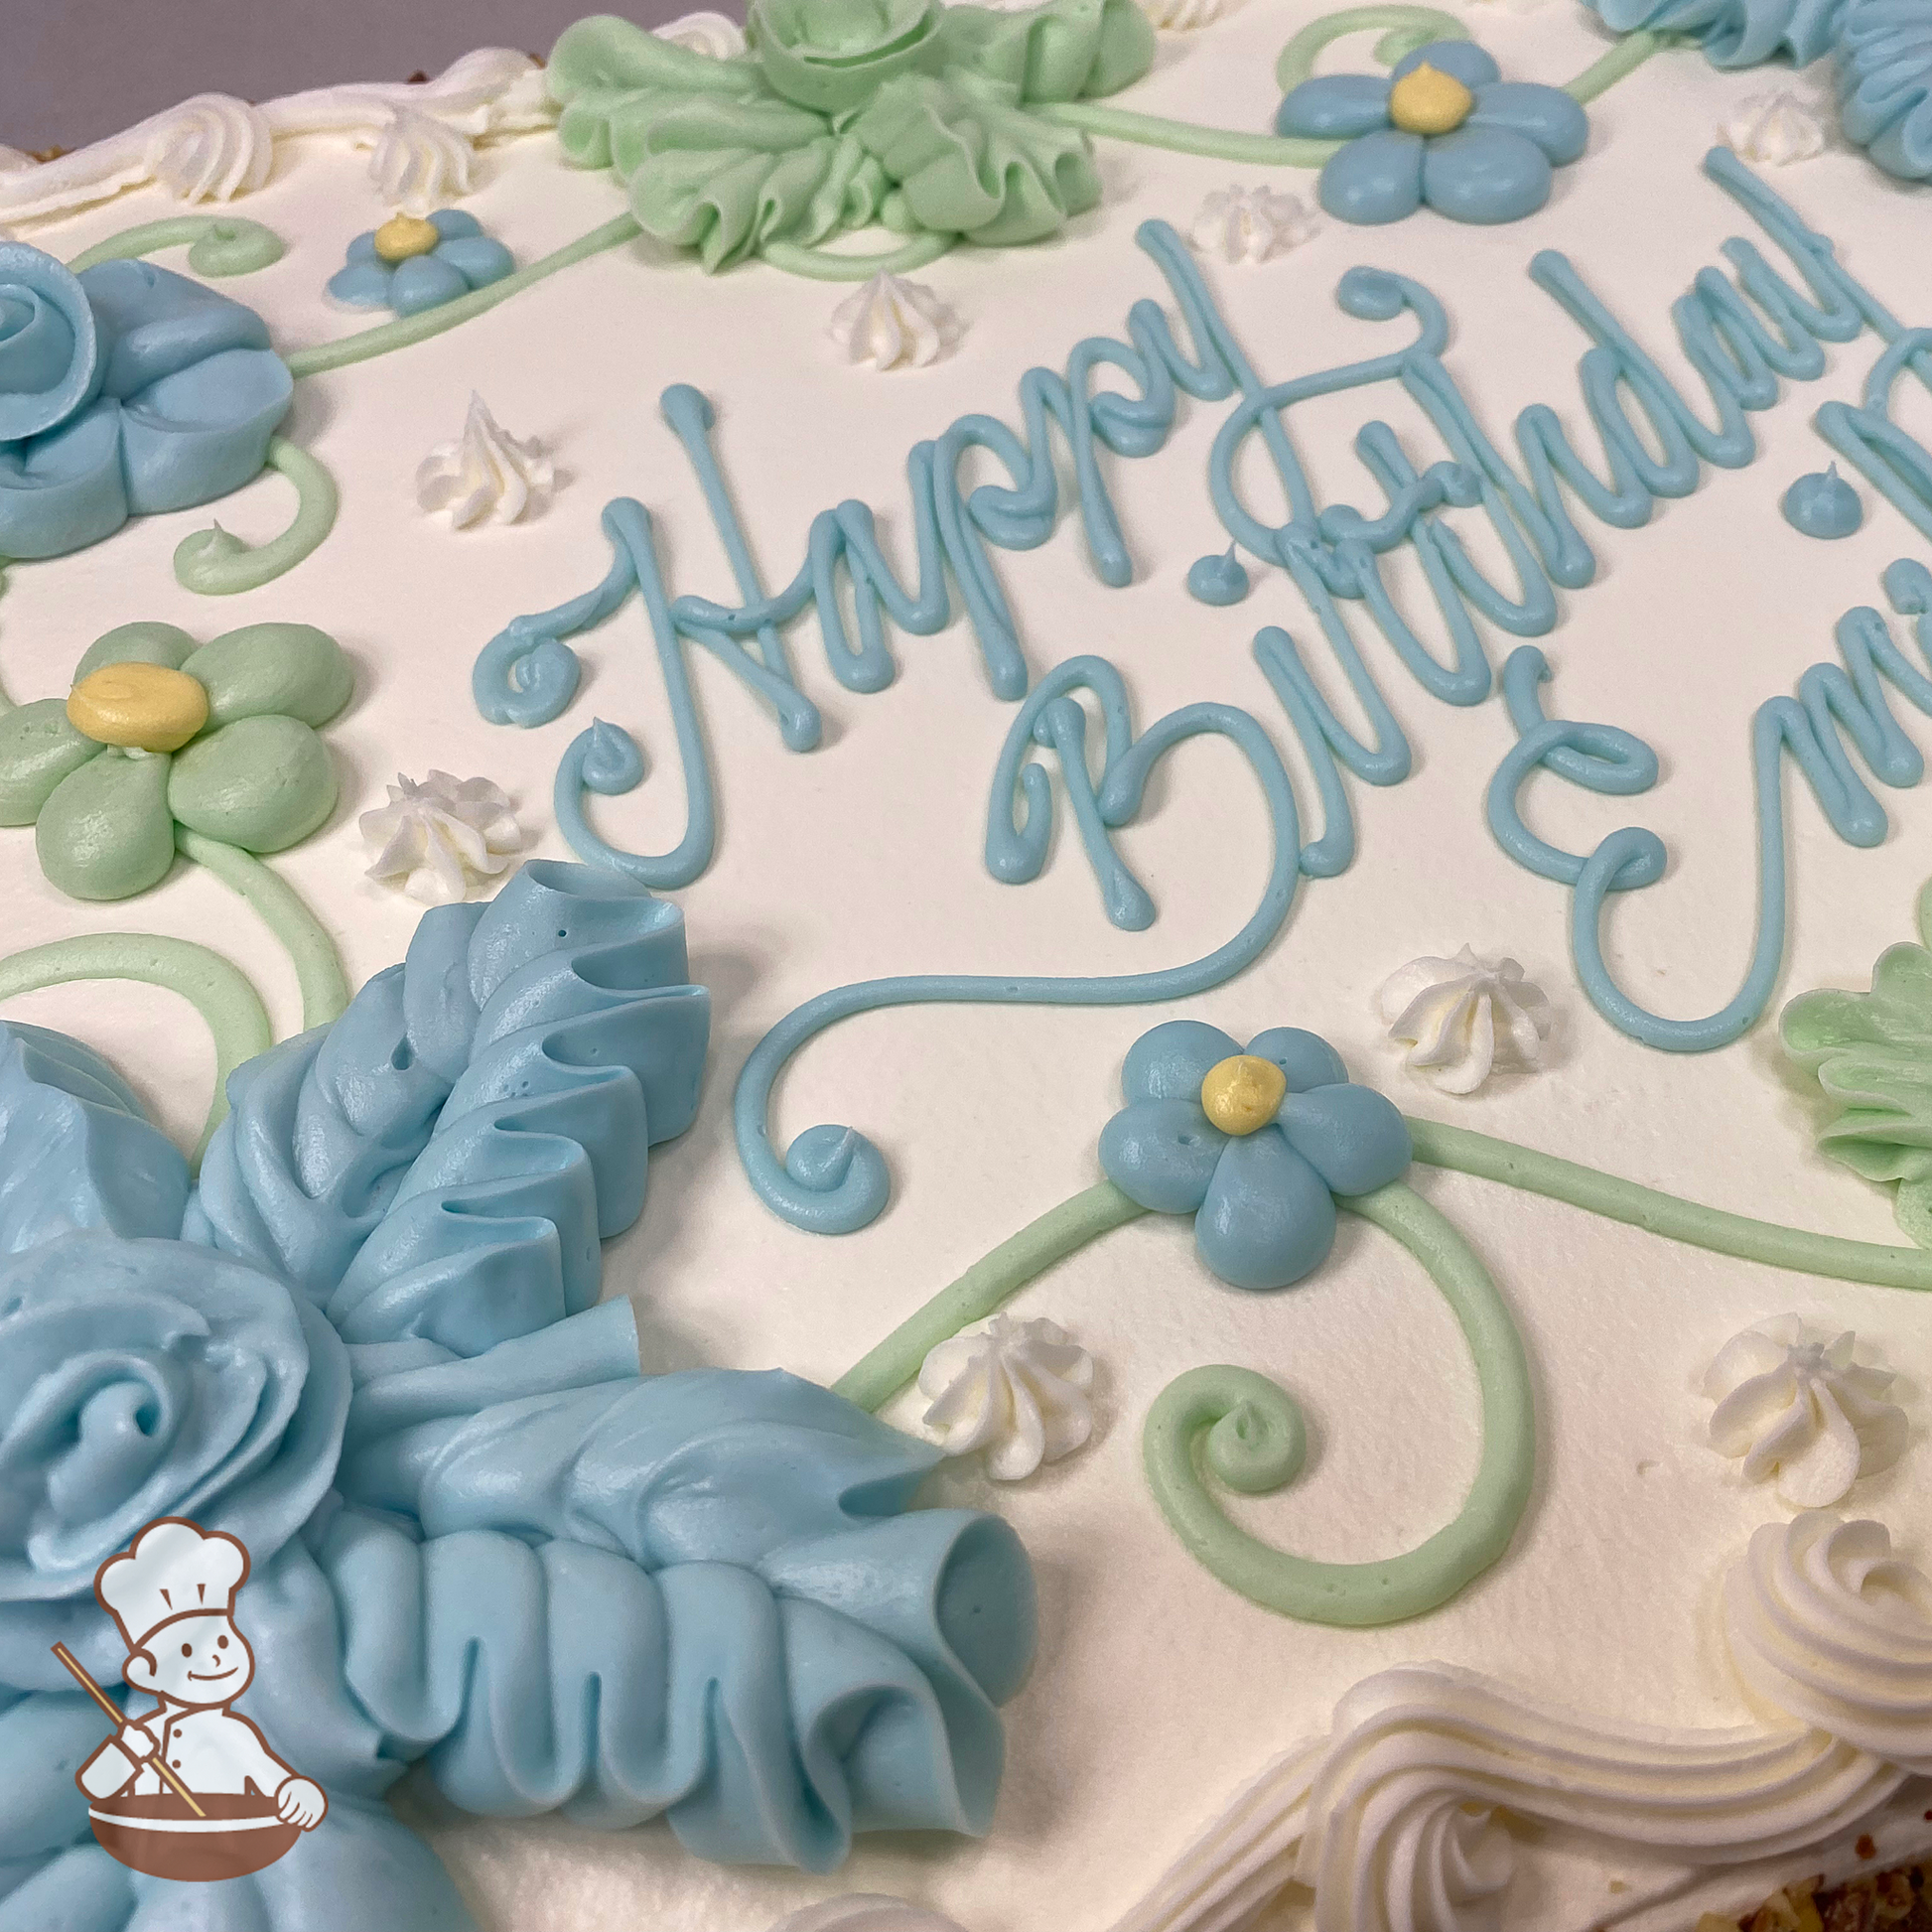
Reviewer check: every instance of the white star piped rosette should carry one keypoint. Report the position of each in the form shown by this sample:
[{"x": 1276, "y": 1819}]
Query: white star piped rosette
[
  {"x": 485, "y": 473},
  {"x": 1803, "y": 1411},
  {"x": 1459, "y": 1018},
  {"x": 894, "y": 323},
  {"x": 1775, "y": 129},
  {"x": 438, "y": 839},
  {"x": 1017, "y": 1391},
  {"x": 1251, "y": 226}
]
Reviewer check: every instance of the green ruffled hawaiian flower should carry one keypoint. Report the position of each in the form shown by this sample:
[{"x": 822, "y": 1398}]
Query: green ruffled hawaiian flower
[
  {"x": 847, "y": 114},
  {"x": 160, "y": 733},
  {"x": 1871, "y": 1053}
]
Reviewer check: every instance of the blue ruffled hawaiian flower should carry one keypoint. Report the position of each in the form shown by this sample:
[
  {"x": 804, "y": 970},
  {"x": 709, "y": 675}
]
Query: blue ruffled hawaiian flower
[
  {"x": 1884, "y": 84},
  {"x": 125, "y": 390},
  {"x": 1734, "y": 33},
  {"x": 460, "y": 258},
  {"x": 1443, "y": 128},
  {"x": 1255, "y": 1143},
  {"x": 373, "y": 1347}
]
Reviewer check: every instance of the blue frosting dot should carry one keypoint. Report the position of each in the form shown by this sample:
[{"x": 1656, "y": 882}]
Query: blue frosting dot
[
  {"x": 1822, "y": 505},
  {"x": 1219, "y": 578}
]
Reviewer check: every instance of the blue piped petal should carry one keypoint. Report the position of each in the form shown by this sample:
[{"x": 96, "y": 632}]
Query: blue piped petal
[
  {"x": 1306, "y": 1058},
  {"x": 1335, "y": 107},
  {"x": 1546, "y": 116},
  {"x": 1353, "y": 1138},
  {"x": 362, "y": 248},
  {"x": 362, "y": 284},
  {"x": 1269, "y": 1219},
  {"x": 1162, "y": 1154},
  {"x": 454, "y": 224},
  {"x": 1484, "y": 175},
  {"x": 1171, "y": 1060},
  {"x": 202, "y": 431},
  {"x": 1463, "y": 60},
  {"x": 423, "y": 282},
  {"x": 476, "y": 258},
  {"x": 1375, "y": 178},
  {"x": 77, "y": 1147}
]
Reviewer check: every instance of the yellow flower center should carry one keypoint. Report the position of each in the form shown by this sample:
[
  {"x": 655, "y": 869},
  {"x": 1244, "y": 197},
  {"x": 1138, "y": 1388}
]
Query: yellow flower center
[
  {"x": 145, "y": 707},
  {"x": 1424, "y": 101},
  {"x": 1241, "y": 1095},
  {"x": 404, "y": 235}
]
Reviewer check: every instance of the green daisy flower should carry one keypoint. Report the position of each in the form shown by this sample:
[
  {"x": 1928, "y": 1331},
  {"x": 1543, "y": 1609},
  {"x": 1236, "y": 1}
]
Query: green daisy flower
[{"x": 160, "y": 734}]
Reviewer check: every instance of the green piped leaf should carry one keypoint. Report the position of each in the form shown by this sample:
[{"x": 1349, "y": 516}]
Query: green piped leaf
[
  {"x": 260, "y": 783},
  {"x": 1070, "y": 50},
  {"x": 106, "y": 831},
  {"x": 883, "y": 113},
  {"x": 144, "y": 643},
  {"x": 1871, "y": 1056},
  {"x": 38, "y": 749},
  {"x": 969, "y": 161},
  {"x": 292, "y": 668}
]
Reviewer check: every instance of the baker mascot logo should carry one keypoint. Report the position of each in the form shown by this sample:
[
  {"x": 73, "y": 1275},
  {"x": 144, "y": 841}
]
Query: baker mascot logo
[{"x": 190, "y": 1789}]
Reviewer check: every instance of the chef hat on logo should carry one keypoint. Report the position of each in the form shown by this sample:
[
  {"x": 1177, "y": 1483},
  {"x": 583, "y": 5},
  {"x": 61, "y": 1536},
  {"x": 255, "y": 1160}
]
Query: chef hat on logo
[{"x": 172, "y": 1569}]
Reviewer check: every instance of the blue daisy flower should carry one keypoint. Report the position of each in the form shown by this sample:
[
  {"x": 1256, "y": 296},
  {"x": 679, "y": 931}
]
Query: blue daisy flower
[
  {"x": 1255, "y": 1143},
  {"x": 1443, "y": 128},
  {"x": 409, "y": 265}
]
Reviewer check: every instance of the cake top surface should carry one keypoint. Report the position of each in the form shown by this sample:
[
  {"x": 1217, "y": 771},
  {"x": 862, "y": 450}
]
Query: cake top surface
[{"x": 1221, "y": 636}]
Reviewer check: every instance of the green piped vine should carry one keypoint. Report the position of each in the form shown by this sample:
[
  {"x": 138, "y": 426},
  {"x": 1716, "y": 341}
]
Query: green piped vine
[
  {"x": 217, "y": 563},
  {"x": 942, "y": 124},
  {"x": 1227, "y": 1425},
  {"x": 217, "y": 990},
  {"x": 217, "y": 245}
]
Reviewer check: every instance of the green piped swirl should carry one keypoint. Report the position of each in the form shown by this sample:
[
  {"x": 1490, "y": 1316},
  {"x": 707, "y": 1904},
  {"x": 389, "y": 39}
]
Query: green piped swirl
[{"x": 1250, "y": 1434}]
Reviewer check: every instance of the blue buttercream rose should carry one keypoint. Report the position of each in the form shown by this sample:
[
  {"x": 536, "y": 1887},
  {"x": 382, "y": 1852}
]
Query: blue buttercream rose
[
  {"x": 1884, "y": 84},
  {"x": 1443, "y": 128},
  {"x": 1255, "y": 1143},
  {"x": 142, "y": 1379},
  {"x": 123, "y": 391}
]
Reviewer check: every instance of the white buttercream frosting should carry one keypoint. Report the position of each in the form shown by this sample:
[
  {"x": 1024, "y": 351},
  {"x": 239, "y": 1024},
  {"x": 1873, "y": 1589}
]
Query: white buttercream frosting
[
  {"x": 713, "y": 34},
  {"x": 486, "y": 472},
  {"x": 213, "y": 147},
  {"x": 1802, "y": 1409},
  {"x": 486, "y": 95},
  {"x": 1391, "y": 1821},
  {"x": 210, "y": 148},
  {"x": 1250, "y": 225},
  {"x": 1018, "y": 1389},
  {"x": 1827, "y": 1626},
  {"x": 419, "y": 164},
  {"x": 864, "y": 1912},
  {"x": 1458, "y": 1016},
  {"x": 438, "y": 839},
  {"x": 894, "y": 323},
  {"x": 1777, "y": 128}
]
